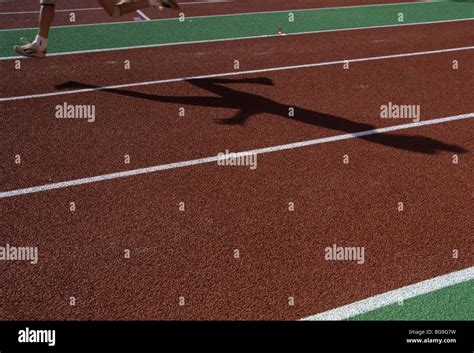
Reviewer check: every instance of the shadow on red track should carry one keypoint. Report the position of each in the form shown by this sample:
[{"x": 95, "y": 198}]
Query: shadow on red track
[{"x": 249, "y": 105}]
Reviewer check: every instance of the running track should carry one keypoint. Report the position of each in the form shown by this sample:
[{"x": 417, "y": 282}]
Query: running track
[
  {"x": 93, "y": 14},
  {"x": 190, "y": 254}
]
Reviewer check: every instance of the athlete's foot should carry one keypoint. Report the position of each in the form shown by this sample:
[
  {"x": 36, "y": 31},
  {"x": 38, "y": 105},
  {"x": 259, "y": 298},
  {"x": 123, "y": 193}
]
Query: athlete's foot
[
  {"x": 31, "y": 50},
  {"x": 118, "y": 8},
  {"x": 172, "y": 4}
]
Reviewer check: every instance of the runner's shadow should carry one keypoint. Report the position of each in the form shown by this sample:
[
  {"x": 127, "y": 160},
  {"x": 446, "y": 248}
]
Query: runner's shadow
[{"x": 249, "y": 105}]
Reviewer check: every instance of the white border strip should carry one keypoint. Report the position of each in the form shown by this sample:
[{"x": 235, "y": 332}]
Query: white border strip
[
  {"x": 394, "y": 296},
  {"x": 80, "y": 52},
  {"x": 233, "y": 73},
  {"x": 158, "y": 168}
]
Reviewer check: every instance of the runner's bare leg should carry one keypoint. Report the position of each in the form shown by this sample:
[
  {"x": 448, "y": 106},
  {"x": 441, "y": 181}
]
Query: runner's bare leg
[{"x": 45, "y": 19}]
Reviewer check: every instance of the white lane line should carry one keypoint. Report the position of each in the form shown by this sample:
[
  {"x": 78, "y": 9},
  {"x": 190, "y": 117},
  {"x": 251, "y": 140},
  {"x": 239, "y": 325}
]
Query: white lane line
[
  {"x": 204, "y": 2},
  {"x": 222, "y": 1},
  {"x": 394, "y": 296},
  {"x": 226, "y": 15},
  {"x": 289, "y": 146},
  {"x": 145, "y": 17},
  {"x": 102, "y": 9},
  {"x": 233, "y": 73},
  {"x": 58, "y": 10},
  {"x": 79, "y": 52}
]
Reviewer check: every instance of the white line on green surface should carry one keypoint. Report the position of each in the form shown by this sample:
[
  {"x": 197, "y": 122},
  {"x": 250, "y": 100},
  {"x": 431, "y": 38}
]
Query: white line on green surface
[{"x": 394, "y": 296}]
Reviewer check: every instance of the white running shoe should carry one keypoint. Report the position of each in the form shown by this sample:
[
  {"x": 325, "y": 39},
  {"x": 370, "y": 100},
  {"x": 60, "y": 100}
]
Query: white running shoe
[{"x": 30, "y": 50}]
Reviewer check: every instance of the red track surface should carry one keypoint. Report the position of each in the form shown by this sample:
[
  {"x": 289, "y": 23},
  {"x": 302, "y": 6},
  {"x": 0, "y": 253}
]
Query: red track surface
[
  {"x": 84, "y": 17},
  {"x": 190, "y": 253}
]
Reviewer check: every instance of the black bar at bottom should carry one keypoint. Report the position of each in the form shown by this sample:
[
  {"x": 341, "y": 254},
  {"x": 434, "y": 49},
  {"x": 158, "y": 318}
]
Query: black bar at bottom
[{"x": 227, "y": 336}]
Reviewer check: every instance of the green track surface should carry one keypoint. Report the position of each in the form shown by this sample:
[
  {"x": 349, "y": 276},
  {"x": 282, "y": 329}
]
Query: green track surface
[
  {"x": 451, "y": 303},
  {"x": 132, "y": 34}
]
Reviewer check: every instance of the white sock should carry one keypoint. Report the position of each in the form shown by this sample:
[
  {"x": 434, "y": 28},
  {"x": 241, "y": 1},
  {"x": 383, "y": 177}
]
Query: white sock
[
  {"x": 41, "y": 42},
  {"x": 153, "y": 2}
]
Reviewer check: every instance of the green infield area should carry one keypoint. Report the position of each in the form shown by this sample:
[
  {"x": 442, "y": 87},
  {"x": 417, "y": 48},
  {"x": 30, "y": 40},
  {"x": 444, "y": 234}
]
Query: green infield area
[
  {"x": 450, "y": 303},
  {"x": 113, "y": 36}
]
